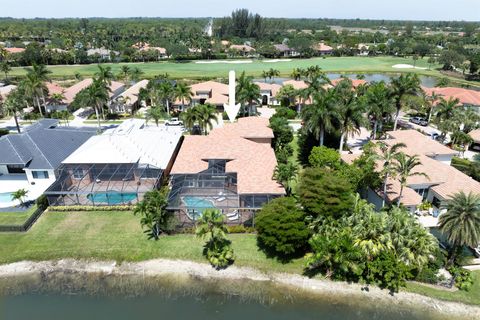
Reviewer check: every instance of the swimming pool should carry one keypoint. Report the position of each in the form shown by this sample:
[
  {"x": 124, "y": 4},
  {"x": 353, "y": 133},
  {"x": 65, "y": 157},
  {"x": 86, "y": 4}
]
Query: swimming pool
[
  {"x": 6, "y": 197},
  {"x": 111, "y": 197},
  {"x": 196, "y": 206}
]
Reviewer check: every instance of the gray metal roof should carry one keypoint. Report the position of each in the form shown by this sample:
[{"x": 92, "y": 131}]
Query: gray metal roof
[{"x": 43, "y": 145}]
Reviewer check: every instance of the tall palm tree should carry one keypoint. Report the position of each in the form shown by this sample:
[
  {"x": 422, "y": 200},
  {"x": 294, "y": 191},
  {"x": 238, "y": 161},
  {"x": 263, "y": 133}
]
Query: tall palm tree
[
  {"x": 166, "y": 92},
  {"x": 14, "y": 104},
  {"x": 41, "y": 72},
  {"x": 297, "y": 74},
  {"x": 265, "y": 75},
  {"x": 135, "y": 74},
  {"x": 378, "y": 103},
  {"x": 105, "y": 74},
  {"x": 34, "y": 89},
  {"x": 190, "y": 117},
  {"x": 461, "y": 222},
  {"x": 404, "y": 167},
  {"x": 405, "y": 84},
  {"x": 445, "y": 112},
  {"x": 272, "y": 73},
  {"x": 183, "y": 92},
  {"x": 387, "y": 157},
  {"x": 124, "y": 73},
  {"x": 320, "y": 117},
  {"x": 350, "y": 111},
  {"x": 96, "y": 96},
  {"x": 247, "y": 92},
  {"x": 155, "y": 113},
  {"x": 206, "y": 115},
  {"x": 430, "y": 101}
]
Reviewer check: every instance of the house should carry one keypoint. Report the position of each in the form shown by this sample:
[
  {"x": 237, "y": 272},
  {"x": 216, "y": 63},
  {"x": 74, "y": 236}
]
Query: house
[
  {"x": 475, "y": 135},
  {"x": 243, "y": 49},
  {"x": 467, "y": 97},
  {"x": 363, "y": 49},
  {"x": 145, "y": 46},
  {"x": 54, "y": 104},
  {"x": 14, "y": 50},
  {"x": 285, "y": 51},
  {"x": 104, "y": 54},
  {"x": 322, "y": 49},
  {"x": 231, "y": 169},
  {"x": 355, "y": 82},
  {"x": 209, "y": 92},
  {"x": 5, "y": 90},
  {"x": 71, "y": 92},
  {"x": 128, "y": 101},
  {"x": 269, "y": 92},
  {"x": 441, "y": 182},
  {"x": 118, "y": 166},
  {"x": 30, "y": 160}
]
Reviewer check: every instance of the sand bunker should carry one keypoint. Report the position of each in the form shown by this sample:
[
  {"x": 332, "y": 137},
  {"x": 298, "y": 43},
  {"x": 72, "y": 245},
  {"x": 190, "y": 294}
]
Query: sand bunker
[
  {"x": 277, "y": 60},
  {"x": 406, "y": 66},
  {"x": 223, "y": 61}
]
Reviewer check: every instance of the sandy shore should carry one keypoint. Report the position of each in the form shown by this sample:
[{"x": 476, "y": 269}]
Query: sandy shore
[{"x": 163, "y": 267}]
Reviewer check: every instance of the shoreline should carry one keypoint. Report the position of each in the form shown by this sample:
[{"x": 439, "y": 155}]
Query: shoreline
[{"x": 181, "y": 268}]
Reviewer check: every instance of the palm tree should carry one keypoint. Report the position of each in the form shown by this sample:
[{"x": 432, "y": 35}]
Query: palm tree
[
  {"x": 41, "y": 72},
  {"x": 124, "y": 73},
  {"x": 321, "y": 115},
  {"x": 5, "y": 68},
  {"x": 96, "y": 95},
  {"x": 34, "y": 89},
  {"x": 265, "y": 75},
  {"x": 14, "y": 104},
  {"x": 104, "y": 74},
  {"x": 430, "y": 103},
  {"x": 284, "y": 174},
  {"x": 166, "y": 92},
  {"x": 387, "y": 156},
  {"x": 183, "y": 92},
  {"x": 404, "y": 167},
  {"x": 445, "y": 114},
  {"x": 211, "y": 225},
  {"x": 190, "y": 117},
  {"x": 378, "y": 103},
  {"x": 206, "y": 115},
  {"x": 408, "y": 84},
  {"x": 135, "y": 74},
  {"x": 155, "y": 113},
  {"x": 297, "y": 73},
  {"x": 272, "y": 73},
  {"x": 20, "y": 195},
  {"x": 247, "y": 92},
  {"x": 461, "y": 223},
  {"x": 350, "y": 111}
]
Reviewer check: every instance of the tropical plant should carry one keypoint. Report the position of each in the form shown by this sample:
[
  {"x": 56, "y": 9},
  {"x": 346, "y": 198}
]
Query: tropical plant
[
  {"x": 320, "y": 117},
  {"x": 124, "y": 73},
  {"x": 206, "y": 115},
  {"x": 404, "y": 169},
  {"x": 281, "y": 228},
  {"x": 323, "y": 157},
  {"x": 272, "y": 73},
  {"x": 155, "y": 113},
  {"x": 445, "y": 111},
  {"x": 104, "y": 74},
  {"x": 135, "y": 74},
  {"x": 285, "y": 173},
  {"x": 5, "y": 68},
  {"x": 95, "y": 95},
  {"x": 155, "y": 219},
  {"x": 378, "y": 103},
  {"x": 183, "y": 92},
  {"x": 166, "y": 92},
  {"x": 14, "y": 104},
  {"x": 461, "y": 223},
  {"x": 402, "y": 86},
  {"x": 247, "y": 92},
  {"x": 217, "y": 249},
  {"x": 20, "y": 196},
  {"x": 387, "y": 157}
]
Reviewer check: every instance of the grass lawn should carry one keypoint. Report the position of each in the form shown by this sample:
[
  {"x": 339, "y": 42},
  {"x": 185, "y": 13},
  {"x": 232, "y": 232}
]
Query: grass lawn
[
  {"x": 118, "y": 236},
  {"x": 16, "y": 218},
  {"x": 195, "y": 70},
  {"x": 103, "y": 121}
]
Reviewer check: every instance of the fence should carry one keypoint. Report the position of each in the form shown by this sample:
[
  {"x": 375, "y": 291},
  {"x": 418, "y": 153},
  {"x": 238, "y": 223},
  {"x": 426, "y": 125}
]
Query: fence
[{"x": 26, "y": 225}]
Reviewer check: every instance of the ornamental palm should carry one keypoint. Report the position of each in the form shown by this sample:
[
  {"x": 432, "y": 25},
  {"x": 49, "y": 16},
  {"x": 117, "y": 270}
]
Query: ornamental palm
[
  {"x": 445, "y": 113},
  {"x": 104, "y": 74},
  {"x": 350, "y": 111},
  {"x": 408, "y": 84},
  {"x": 14, "y": 104},
  {"x": 378, "y": 103},
  {"x": 20, "y": 195},
  {"x": 124, "y": 73},
  {"x": 34, "y": 89},
  {"x": 387, "y": 156},
  {"x": 461, "y": 223},
  {"x": 183, "y": 92},
  {"x": 211, "y": 225},
  {"x": 371, "y": 236},
  {"x": 5, "y": 68},
  {"x": 206, "y": 114},
  {"x": 297, "y": 74},
  {"x": 272, "y": 73},
  {"x": 166, "y": 92},
  {"x": 190, "y": 117},
  {"x": 96, "y": 95},
  {"x": 135, "y": 74},
  {"x": 247, "y": 92},
  {"x": 285, "y": 173},
  {"x": 404, "y": 169},
  {"x": 155, "y": 113},
  {"x": 321, "y": 115}
]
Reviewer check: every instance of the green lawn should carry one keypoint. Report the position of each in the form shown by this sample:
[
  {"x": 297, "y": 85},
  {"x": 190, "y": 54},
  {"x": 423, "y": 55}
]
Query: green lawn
[
  {"x": 195, "y": 70},
  {"x": 118, "y": 236},
  {"x": 16, "y": 218}
]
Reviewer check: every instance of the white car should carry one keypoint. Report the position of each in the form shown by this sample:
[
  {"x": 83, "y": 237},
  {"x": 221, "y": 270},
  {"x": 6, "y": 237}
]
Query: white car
[{"x": 174, "y": 122}]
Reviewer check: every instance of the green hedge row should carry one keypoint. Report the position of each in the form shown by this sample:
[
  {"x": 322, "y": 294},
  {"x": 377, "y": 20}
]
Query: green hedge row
[{"x": 89, "y": 208}]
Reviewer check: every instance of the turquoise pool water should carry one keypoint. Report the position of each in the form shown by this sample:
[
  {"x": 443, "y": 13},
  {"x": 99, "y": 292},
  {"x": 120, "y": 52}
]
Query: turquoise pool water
[
  {"x": 6, "y": 197},
  {"x": 196, "y": 206},
  {"x": 112, "y": 197}
]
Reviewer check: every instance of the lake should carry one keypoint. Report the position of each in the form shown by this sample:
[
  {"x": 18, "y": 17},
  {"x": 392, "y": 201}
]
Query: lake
[
  {"x": 82, "y": 296},
  {"x": 425, "y": 81}
]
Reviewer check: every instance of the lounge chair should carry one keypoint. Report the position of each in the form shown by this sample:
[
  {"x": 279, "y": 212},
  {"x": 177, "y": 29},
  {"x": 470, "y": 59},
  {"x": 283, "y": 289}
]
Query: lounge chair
[
  {"x": 231, "y": 214},
  {"x": 221, "y": 199},
  {"x": 234, "y": 217}
]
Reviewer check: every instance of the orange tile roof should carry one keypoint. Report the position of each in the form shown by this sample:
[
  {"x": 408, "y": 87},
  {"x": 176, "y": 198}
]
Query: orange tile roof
[
  {"x": 72, "y": 91},
  {"x": 465, "y": 96},
  {"x": 253, "y": 162},
  {"x": 355, "y": 82},
  {"x": 322, "y": 47},
  {"x": 54, "y": 88},
  {"x": 475, "y": 134},
  {"x": 297, "y": 84},
  {"x": 14, "y": 50},
  {"x": 272, "y": 87},
  {"x": 242, "y": 47},
  {"x": 417, "y": 143}
]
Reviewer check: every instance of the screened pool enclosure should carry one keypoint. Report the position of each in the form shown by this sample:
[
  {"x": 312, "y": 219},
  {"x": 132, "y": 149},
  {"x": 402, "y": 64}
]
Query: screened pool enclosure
[{"x": 103, "y": 184}]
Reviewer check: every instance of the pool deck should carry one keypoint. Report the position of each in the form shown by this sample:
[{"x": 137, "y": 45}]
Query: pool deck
[{"x": 13, "y": 182}]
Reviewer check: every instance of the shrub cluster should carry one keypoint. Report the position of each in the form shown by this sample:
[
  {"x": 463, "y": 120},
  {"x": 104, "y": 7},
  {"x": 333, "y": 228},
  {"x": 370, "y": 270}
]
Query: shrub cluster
[{"x": 90, "y": 208}]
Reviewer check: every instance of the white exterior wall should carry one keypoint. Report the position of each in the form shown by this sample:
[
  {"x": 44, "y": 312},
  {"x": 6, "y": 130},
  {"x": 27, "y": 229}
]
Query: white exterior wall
[
  {"x": 50, "y": 180},
  {"x": 446, "y": 159}
]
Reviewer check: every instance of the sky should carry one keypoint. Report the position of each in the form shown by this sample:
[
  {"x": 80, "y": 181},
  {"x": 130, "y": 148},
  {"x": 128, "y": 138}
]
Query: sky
[{"x": 468, "y": 10}]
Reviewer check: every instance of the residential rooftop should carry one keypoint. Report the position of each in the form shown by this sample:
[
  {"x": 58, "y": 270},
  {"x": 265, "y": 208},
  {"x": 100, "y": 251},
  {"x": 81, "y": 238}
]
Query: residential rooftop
[
  {"x": 465, "y": 96},
  {"x": 418, "y": 144}
]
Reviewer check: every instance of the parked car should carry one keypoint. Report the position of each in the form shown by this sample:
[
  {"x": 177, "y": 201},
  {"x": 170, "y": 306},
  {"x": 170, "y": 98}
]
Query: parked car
[
  {"x": 419, "y": 120},
  {"x": 174, "y": 122}
]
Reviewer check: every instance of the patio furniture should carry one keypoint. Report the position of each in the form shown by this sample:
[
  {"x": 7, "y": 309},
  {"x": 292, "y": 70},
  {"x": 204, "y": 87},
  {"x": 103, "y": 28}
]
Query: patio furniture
[
  {"x": 234, "y": 218},
  {"x": 221, "y": 199},
  {"x": 234, "y": 213}
]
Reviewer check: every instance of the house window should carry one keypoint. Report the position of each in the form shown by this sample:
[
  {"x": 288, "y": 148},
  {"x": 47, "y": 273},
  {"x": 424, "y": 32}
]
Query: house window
[
  {"x": 78, "y": 173},
  {"x": 40, "y": 174},
  {"x": 423, "y": 192},
  {"x": 15, "y": 168},
  {"x": 436, "y": 202}
]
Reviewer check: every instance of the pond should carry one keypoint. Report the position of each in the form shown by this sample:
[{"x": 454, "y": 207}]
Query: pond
[
  {"x": 86, "y": 296},
  {"x": 426, "y": 81}
]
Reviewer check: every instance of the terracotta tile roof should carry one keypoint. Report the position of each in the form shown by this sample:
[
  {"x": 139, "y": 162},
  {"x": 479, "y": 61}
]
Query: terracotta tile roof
[
  {"x": 465, "y": 96},
  {"x": 417, "y": 143},
  {"x": 322, "y": 47},
  {"x": 297, "y": 84},
  {"x": 241, "y": 47},
  {"x": 215, "y": 93},
  {"x": 253, "y": 162},
  {"x": 249, "y": 128},
  {"x": 272, "y": 87},
  {"x": 475, "y": 134},
  {"x": 355, "y": 82},
  {"x": 14, "y": 50},
  {"x": 54, "y": 88},
  {"x": 131, "y": 94},
  {"x": 72, "y": 91},
  {"x": 282, "y": 47}
]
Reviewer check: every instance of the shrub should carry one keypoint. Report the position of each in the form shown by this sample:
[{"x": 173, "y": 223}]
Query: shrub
[
  {"x": 4, "y": 132},
  {"x": 42, "y": 202},
  {"x": 282, "y": 230},
  {"x": 321, "y": 157},
  {"x": 463, "y": 278},
  {"x": 90, "y": 208}
]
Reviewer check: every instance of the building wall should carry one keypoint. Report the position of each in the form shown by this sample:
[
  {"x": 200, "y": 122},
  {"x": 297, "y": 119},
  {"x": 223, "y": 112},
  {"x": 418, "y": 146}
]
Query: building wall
[
  {"x": 3, "y": 169},
  {"x": 446, "y": 159},
  {"x": 30, "y": 178}
]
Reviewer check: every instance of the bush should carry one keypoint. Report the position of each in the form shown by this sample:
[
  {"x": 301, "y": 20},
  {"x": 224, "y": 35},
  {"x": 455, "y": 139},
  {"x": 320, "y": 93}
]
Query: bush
[
  {"x": 42, "y": 202},
  {"x": 90, "y": 208},
  {"x": 284, "y": 112},
  {"x": 463, "y": 278},
  {"x": 4, "y": 132},
  {"x": 321, "y": 157},
  {"x": 240, "y": 229},
  {"x": 282, "y": 230}
]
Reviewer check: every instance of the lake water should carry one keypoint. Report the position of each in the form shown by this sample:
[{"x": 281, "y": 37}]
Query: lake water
[
  {"x": 92, "y": 297},
  {"x": 426, "y": 81}
]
